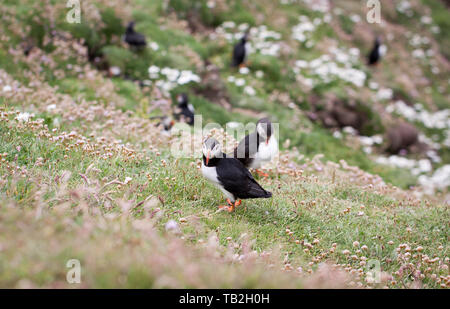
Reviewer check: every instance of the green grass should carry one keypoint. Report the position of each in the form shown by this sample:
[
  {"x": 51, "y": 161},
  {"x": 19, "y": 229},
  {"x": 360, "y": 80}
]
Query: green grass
[
  {"x": 188, "y": 194},
  {"x": 440, "y": 17}
]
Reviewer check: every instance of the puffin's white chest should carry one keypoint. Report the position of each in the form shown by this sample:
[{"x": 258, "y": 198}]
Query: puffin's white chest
[
  {"x": 382, "y": 49},
  {"x": 266, "y": 153},
  {"x": 210, "y": 173}
]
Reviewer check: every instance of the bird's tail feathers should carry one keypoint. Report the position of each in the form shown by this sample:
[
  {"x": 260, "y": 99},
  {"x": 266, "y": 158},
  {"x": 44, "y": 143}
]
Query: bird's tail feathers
[{"x": 267, "y": 194}]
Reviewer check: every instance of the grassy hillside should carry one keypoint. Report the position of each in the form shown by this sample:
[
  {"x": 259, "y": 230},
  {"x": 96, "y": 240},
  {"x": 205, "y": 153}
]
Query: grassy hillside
[{"x": 87, "y": 174}]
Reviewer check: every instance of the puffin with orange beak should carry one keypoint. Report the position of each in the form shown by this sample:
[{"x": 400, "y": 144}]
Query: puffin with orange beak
[
  {"x": 229, "y": 175},
  {"x": 258, "y": 147}
]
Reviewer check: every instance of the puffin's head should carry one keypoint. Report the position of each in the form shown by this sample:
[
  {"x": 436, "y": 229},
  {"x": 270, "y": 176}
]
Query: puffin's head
[
  {"x": 130, "y": 26},
  {"x": 245, "y": 38},
  {"x": 378, "y": 40},
  {"x": 167, "y": 123},
  {"x": 211, "y": 149},
  {"x": 182, "y": 98},
  {"x": 264, "y": 128}
]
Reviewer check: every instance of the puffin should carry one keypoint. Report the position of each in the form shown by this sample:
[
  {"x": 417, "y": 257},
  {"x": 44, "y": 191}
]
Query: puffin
[
  {"x": 165, "y": 122},
  {"x": 229, "y": 175},
  {"x": 375, "y": 55},
  {"x": 133, "y": 38},
  {"x": 258, "y": 147},
  {"x": 239, "y": 52},
  {"x": 185, "y": 109}
]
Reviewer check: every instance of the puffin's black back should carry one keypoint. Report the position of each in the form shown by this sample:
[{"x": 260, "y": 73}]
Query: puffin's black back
[
  {"x": 239, "y": 52},
  {"x": 236, "y": 179},
  {"x": 188, "y": 115},
  {"x": 185, "y": 111},
  {"x": 374, "y": 55},
  {"x": 134, "y": 38}
]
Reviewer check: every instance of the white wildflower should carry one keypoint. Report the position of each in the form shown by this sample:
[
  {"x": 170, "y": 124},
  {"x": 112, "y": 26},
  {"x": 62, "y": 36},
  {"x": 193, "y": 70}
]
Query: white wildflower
[
  {"x": 240, "y": 82},
  {"x": 244, "y": 70},
  {"x": 153, "y": 45},
  {"x": 24, "y": 117},
  {"x": 249, "y": 90}
]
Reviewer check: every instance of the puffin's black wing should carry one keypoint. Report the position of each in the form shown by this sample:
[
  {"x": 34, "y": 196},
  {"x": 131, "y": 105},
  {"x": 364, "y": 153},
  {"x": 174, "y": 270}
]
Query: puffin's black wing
[
  {"x": 374, "y": 55},
  {"x": 236, "y": 179},
  {"x": 238, "y": 54},
  {"x": 135, "y": 39},
  {"x": 187, "y": 113}
]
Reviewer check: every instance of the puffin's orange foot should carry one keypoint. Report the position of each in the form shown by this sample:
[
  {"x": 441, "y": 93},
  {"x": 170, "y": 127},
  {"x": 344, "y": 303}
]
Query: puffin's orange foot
[
  {"x": 232, "y": 205},
  {"x": 261, "y": 173},
  {"x": 242, "y": 65},
  {"x": 227, "y": 208}
]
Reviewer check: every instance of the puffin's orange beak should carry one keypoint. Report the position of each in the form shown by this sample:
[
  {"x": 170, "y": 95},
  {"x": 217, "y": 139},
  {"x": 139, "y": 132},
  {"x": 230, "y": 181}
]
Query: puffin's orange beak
[{"x": 207, "y": 157}]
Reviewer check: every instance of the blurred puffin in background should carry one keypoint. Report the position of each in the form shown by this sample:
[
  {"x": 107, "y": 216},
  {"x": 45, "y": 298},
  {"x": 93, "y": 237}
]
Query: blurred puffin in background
[
  {"x": 240, "y": 52},
  {"x": 184, "y": 109},
  {"x": 166, "y": 122},
  {"x": 376, "y": 53},
  {"x": 258, "y": 147},
  {"x": 134, "y": 39}
]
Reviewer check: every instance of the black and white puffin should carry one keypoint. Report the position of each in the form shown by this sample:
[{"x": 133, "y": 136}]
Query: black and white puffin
[
  {"x": 229, "y": 175},
  {"x": 133, "y": 38},
  {"x": 376, "y": 53},
  {"x": 185, "y": 109},
  {"x": 258, "y": 147},
  {"x": 167, "y": 124},
  {"x": 240, "y": 52}
]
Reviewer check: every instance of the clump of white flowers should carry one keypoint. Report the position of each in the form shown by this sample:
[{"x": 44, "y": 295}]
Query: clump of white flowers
[
  {"x": 115, "y": 71},
  {"x": 355, "y": 18},
  {"x": 440, "y": 180},
  {"x": 262, "y": 40},
  {"x": 338, "y": 65},
  {"x": 168, "y": 78},
  {"x": 404, "y": 7},
  {"x": 244, "y": 70},
  {"x": 249, "y": 90},
  {"x": 24, "y": 117},
  {"x": 416, "y": 167},
  {"x": 240, "y": 82},
  {"x": 318, "y": 5},
  {"x": 385, "y": 94},
  {"x": 153, "y": 45},
  {"x": 303, "y": 30},
  {"x": 7, "y": 88},
  {"x": 369, "y": 141},
  {"x": 438, "y": 120}
]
